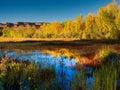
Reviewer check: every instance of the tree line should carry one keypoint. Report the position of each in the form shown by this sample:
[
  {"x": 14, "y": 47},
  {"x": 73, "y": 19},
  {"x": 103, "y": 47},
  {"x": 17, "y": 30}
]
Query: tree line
[{"x": 104, "y": 25}]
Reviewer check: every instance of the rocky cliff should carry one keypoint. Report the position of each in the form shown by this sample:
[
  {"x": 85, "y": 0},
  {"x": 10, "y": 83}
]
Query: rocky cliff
[{"x": 16, "y": 24}]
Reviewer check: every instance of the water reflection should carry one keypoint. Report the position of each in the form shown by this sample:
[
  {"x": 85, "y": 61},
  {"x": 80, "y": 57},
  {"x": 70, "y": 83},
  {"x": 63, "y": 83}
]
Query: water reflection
[
  {"x": 63, "y": 66},
  {"x": 66, "y": 75}
]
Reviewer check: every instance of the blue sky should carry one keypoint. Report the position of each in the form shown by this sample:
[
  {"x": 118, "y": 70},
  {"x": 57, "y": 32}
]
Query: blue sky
[{"x": 47, "y": 10}]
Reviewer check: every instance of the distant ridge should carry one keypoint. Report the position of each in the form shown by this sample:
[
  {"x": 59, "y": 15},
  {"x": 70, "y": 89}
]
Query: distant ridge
[{"x": 16, "y": 24}]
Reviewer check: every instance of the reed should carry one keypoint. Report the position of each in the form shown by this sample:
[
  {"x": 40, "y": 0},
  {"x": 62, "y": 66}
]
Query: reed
[
  {"x": 25, "y": 75},
  {"x": 105, "y": 78}
]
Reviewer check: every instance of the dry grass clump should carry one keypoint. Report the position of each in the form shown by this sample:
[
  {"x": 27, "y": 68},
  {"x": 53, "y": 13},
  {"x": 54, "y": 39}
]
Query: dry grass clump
[{"x": 3, "y": 62}]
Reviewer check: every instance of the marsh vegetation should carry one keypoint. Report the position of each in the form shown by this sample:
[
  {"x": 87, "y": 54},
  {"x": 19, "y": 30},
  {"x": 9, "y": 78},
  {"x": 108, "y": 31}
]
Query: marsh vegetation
[
  {"x": 75, "y": 66},
  {"x": 73, "y": 55}
]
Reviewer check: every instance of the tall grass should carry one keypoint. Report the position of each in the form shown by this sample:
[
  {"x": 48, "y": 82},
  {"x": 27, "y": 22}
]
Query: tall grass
[
  {"x": 15, "y": 74},
  {"x": 79, "y": 82},
  {"x": 25, "y": 75},
  {"x": 105, "y": 78}
]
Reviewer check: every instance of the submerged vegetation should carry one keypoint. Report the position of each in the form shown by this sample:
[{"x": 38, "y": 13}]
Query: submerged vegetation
[{"x": 104, "y": 25}]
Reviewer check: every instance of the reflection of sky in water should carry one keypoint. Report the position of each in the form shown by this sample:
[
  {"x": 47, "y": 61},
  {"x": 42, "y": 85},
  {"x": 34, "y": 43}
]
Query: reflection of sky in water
[
  {"x": 39, "y": 57},
  {"x": 63, "y": 66}
]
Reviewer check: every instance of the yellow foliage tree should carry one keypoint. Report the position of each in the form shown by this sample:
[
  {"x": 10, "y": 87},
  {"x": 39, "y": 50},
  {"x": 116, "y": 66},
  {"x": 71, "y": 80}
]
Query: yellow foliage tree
[
  {"x": 90, "y": 25},
  {"x": 79, "y": 23},
  {"x": 117, "y": 20},
  {"x": 105, "y": 20}
]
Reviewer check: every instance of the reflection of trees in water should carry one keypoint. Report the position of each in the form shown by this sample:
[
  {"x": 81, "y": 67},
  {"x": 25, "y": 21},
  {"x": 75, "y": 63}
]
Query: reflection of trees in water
[{"x": 63, "y": 72}]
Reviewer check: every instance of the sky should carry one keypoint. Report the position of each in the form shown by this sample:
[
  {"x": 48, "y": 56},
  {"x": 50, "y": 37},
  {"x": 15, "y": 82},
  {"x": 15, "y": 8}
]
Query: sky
[{"x": 47, "y": 10}]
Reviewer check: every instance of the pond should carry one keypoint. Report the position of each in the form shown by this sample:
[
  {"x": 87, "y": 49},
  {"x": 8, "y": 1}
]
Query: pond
[{"x": 61, "y": 68}]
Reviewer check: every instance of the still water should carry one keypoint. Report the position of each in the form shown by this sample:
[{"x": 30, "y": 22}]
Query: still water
[{"x": 62, "y": 65}]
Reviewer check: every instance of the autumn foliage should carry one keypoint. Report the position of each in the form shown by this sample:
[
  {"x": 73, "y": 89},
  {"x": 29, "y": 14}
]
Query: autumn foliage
[{"x": 104, "y": 25}]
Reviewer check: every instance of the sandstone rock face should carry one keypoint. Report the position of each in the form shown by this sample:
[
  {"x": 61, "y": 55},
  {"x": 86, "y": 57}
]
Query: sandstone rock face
[{"x": 16, "y": 24}]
